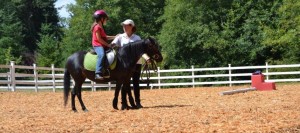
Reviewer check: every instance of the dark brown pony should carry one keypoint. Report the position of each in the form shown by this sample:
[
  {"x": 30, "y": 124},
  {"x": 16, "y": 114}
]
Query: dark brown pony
[{"x": 127, "y": 57}]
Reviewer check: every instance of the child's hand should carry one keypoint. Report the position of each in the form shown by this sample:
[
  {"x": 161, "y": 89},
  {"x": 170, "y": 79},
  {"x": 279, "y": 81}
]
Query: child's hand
[
  {"x": 117, "y": 35},
  {"x": 112, "y": 45}
]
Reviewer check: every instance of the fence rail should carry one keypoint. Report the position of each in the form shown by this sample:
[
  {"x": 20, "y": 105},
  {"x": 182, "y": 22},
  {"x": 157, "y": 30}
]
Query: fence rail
[{"x": 13, "y": 78}]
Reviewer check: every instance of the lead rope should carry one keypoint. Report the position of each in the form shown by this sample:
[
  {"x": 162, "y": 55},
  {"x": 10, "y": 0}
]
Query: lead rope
[{"x": 146, "y": 70}]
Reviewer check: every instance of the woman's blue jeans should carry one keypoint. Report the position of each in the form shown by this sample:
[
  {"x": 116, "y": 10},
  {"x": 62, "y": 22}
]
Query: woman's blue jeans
[{"x": 100, "y": 53}]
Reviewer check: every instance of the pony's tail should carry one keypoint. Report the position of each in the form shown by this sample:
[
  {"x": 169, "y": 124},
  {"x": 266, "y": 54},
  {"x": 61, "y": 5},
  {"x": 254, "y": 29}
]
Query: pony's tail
[{"x": 67, "y": 79}]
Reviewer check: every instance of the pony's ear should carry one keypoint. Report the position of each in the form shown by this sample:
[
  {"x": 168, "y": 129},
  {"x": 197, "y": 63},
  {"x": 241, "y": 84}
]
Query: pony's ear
[{"x": 151, "y": 39}]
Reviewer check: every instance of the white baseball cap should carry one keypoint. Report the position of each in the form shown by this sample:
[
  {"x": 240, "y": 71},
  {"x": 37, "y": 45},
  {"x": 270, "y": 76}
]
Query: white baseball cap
[{"x": 127, "y": 22}]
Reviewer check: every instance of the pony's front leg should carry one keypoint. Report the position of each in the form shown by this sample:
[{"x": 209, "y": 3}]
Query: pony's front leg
[
  {"x": 130, "y": 98},
  {"x": 124, "y": 92},
  {"x": 115, "y": 100}
]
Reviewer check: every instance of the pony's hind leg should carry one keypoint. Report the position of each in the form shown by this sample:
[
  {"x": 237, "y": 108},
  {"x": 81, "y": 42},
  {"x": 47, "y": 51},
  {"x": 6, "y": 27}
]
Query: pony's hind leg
[
  {"x": 79, "y": 79},
  {"x": 73, "y": 94},
  {"x": 78, "y": 86},
  {"x": 81, "y": 102},
  {"x": 77, "y": 91}
]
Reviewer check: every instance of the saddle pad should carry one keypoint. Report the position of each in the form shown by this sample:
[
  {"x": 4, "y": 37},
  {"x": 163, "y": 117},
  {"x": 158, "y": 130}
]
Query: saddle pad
[{"x": 90, "y": 61}]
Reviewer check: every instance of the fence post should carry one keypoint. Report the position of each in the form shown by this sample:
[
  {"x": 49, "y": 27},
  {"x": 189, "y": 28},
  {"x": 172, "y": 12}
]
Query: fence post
[
  {"x": 53, "y": 77},
  {"x": 193, "y": 75},
  {"x": 158, "y": 76},
  {"x": 12, "y": 76},
  {"x": 35, "y": 77},
  {"x": 93, "y": 85},
  {"x": 230, "y": 78},
  {"x": 267, "y": 71},
  {"x": 109, "y": 86},
  {"x": 9, "y": 81}
]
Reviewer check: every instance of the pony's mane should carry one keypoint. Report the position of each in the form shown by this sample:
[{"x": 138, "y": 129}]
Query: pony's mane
[
  {"x": 131, "y": 52},
  {"x": 132, "y": 44}
]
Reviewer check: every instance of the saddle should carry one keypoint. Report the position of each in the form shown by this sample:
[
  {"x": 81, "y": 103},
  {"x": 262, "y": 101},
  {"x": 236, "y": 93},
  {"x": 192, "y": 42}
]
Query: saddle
[{"x": 90, "y": 60}]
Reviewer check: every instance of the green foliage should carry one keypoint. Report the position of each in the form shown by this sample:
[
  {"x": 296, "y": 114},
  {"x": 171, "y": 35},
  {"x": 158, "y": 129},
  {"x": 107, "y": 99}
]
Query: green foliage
[
  {"x": 208, "y": 33},
  {"x": 216, "y": 33},
  {"x": 283, "y": 37},
  {"x": 145, "y": 14},
  {"x": 191, "y": 37},
  {"x": 9, "y": 57},
  {"x": 10, "y": 37},
  {"x": 78, "y": 34},
  {"x": 20, "y": 26},
  {"x": 49, "y": 51},
  {"x": 244, "y": 24},
  {"x": 33, "y": 14}
]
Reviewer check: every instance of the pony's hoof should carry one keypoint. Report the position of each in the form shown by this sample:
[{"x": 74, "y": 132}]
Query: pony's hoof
[
  {"x": 124, "y": 107},
  {"x": 134, "y": 107},
  {"x": 85, "y": 110},
  {"x": 139, "y": 106},
  {"x": 75, "y": 111}
]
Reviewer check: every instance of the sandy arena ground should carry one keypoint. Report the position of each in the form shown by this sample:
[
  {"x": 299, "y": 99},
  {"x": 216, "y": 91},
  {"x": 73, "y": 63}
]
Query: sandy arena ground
[{"x": 166, "y": 110}]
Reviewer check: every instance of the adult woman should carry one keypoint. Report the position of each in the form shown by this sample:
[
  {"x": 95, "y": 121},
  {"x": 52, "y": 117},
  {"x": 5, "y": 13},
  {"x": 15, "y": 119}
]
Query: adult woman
[
  {"x": 99, "y": 41},
  {"x": 123, "y": 39}
]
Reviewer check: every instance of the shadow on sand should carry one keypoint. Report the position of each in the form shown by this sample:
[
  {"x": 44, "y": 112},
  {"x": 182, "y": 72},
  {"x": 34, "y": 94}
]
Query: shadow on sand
[{"x": 166, "y": 106}]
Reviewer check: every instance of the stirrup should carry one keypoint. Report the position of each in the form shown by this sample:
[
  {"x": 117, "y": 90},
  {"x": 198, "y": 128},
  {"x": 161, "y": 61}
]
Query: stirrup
[{"x": 106, "y": 71}]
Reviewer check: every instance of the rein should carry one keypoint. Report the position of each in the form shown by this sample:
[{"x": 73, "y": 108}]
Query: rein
[{"x": 146, "y": 69}]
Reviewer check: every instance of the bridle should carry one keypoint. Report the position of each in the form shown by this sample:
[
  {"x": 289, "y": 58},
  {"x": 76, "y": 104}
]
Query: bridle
[
  {"x": 150, "y": 66},
  {"x": 146, "y": 70}
]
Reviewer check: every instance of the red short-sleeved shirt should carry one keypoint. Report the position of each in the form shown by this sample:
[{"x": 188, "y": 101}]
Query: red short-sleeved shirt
[{"x": 95, "y": 41}]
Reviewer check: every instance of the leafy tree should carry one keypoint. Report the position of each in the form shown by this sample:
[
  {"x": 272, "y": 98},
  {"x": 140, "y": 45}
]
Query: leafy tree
[
  {"x": 145, "y": 14},
  {"x": 216, "y": 33},
  {"x": 21, "y": 22},
  {"x": 282, "y": 37},
  {"x": 20, "y": 27},
  {"x": 78, "y": 34},
  {"x": 35, "y": 13},
  {"x": 48, "y": 51},
  {"x": 32, "y": 14},
  {"x": 190, "y": 33},
  {"x": 244, "y": 32},
  {"x": 9, "y": 57},
  {"x": 10, "y": 33},
  {"x": 206, "y": 33}
]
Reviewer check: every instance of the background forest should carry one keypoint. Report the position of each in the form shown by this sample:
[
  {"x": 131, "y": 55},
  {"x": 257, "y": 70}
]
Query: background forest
[{"x": 203, "y": 33}]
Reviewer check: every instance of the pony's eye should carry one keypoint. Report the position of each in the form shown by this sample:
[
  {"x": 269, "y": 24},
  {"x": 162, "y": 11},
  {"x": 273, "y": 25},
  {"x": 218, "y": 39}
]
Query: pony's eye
[{"x": 156, "y": 56}]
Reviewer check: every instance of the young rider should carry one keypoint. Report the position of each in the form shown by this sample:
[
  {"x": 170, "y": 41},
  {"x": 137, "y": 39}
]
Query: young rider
[{"x": 99, "y": 41}]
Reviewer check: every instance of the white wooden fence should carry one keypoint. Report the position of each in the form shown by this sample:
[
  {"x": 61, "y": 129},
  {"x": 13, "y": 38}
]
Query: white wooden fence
[{"x": 11, "y": 80}]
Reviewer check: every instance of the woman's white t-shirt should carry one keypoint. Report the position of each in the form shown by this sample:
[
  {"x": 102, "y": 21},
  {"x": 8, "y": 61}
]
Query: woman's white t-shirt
[{"x": 123, "y": 39}]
